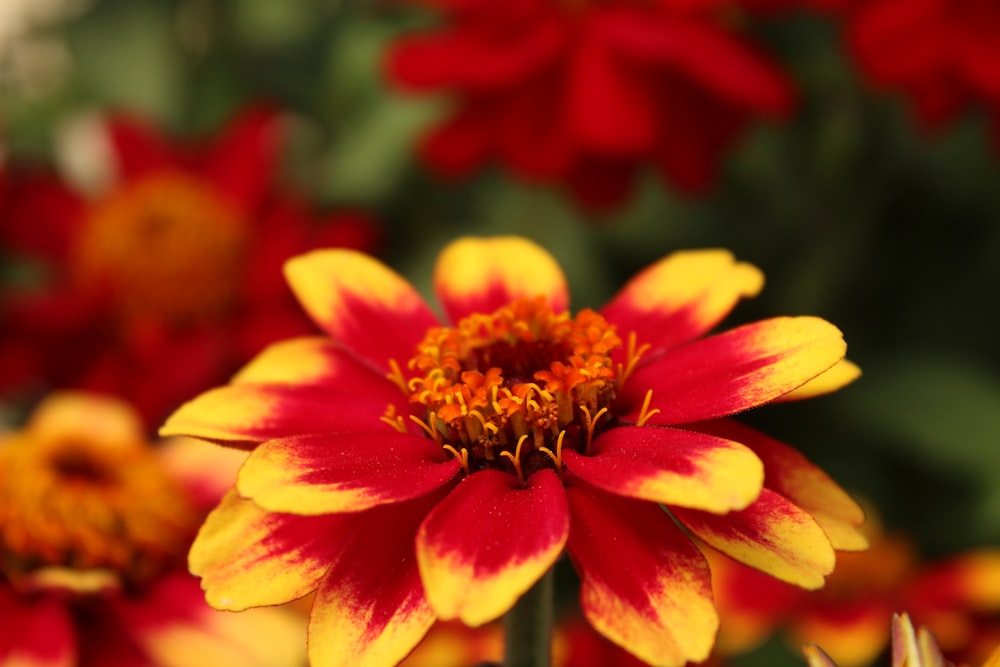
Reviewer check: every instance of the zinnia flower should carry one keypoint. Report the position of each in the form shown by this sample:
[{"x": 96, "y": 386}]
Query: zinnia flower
[
  {"x": 93, "y": 533},
  {"x": 405, "y": 469},
  {"x": 957, "y": 599},
  {"x": 587, "y": 94},
  {"x": 943, "y": 54},
  {"x": 166, "y": 280}
]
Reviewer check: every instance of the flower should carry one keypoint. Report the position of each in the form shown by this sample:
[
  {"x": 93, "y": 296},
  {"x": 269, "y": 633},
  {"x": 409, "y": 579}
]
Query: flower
[
  {"x": 910, "y": 648},
  {"x": 164, "y": 281},
  {"x": 407, "y": 470},
  {"x": 586, "y": 94},
  {"x": 956, "y": 598},
  {"x": 943, "y": 54},
  {"x": 93, "y": 532}
]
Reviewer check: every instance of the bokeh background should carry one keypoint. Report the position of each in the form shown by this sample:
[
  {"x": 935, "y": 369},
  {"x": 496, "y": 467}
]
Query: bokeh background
[{"x": 854, "y": 209}]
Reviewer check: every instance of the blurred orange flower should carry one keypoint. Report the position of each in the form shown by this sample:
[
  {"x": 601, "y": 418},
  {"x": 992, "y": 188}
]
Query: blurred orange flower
[
  {"x": 164, "y": 276},
  {"x": 94, "y": 532},
  {"x": 958, "y": 599}
]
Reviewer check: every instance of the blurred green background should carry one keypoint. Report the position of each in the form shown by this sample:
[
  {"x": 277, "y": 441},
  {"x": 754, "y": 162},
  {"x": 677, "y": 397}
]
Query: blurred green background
[{"x": 852, "y": 213}]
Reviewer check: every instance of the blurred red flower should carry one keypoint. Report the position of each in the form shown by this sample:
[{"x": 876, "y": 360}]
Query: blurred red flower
[
  {"x": 943, "y": 54},
  {"x": 587, "y": 93},
  {"x": 165, "y": 280}
]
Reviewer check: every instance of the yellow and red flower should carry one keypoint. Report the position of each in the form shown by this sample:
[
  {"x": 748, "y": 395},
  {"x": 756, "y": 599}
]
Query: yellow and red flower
[
  {"x": 587, "y": 94},
  {"x": 93, "y": 533},
  {"x": 167, "y": 279},
  {"x": 406, "y": 470}
]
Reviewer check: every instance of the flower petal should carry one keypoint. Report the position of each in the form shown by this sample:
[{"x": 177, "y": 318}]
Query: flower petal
[
  {"x": 36, "y": 633},
  {"x": 312, "y": 360},
  {"x": 65, "y": 414},
  {"x": 361, "y": 303},
  {"x": 480, "y": 275},
  {"x": 247, "y": 557},
  {"x": 772, "y": 535},
  {"x": 175, "y": 628},
  {"x": 792, "y": 475},
  {"x": 681, "y": 297},
  {"x": 671, "y": 466},
  {"x": 843, "y": 373},
  {"x": 645, "y": 586},
  {"x": 733, "y": 371},
  {"x": 371, "y": 610},
  {"x": 242, "y": 415},
  {"x": 325, "y": 473},
  {"x": 489, "y": 541},
  {"x": 206, "y": 471}
]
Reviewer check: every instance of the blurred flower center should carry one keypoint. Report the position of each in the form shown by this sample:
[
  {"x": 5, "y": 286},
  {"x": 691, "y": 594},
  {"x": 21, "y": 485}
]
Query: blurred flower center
[
  {"x": 70, "y": 504},
  {"x": 163, "y": 249},
  {"x": 512, "y": 389}
]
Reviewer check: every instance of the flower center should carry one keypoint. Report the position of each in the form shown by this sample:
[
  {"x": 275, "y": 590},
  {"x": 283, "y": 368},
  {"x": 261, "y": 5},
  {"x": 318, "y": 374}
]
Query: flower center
[
  {"x": 70, "y": 504},
  {"x": 163, "y": 249},
  {"x": 512, "y": 389}
]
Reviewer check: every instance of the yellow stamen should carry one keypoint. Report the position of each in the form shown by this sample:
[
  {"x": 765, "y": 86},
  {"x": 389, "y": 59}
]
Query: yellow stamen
[
  {"x": 395, "y": 374},
  {"x": 591, "y": 425},
  {"x": 645, "y": 413},
  {"x": 422, "y": 424},
  {"x": 463, "y": 456},
  {"x": 515, "y": 458}
]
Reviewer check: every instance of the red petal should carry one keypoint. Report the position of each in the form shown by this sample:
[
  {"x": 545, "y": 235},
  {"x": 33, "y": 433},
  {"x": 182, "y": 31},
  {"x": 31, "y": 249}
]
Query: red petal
[
  {"x": 139, "y": 148},
  {"x": 645, "y": 586},
  {"x": 242, "y": 160},
  {"x": 720, "y": 63},
  {"x": 313, "y": 361},
  {"x": 361, "y": 303},
  {"x": 36, "y": 632},
  {"x": 246, "y": 414},
  {"x": 671, "y": 466},
  {"x": 609, "y": 110},
  {"x": 792, "y": 475},
  {"x": 681, "y": 297},
  {"x": 461, "y": 143},
  {"x": 733, "y": 371},
  {"x": 247, "y": 557},
  {"x": 371, "y": 610},
  {"x": 772, "y": 535},
  {"x": 175, "y": 628},
  {"x": 489, "y": 541},
  {"x": 327, "y": 473},
  {"x": 480, "y": 275}
]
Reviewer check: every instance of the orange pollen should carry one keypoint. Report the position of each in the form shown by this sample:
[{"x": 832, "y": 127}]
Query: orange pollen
[
  {"x": 78, "y": 505},
  {"x": 512, "y": 389},
  {"x": 163, "y": 249}
]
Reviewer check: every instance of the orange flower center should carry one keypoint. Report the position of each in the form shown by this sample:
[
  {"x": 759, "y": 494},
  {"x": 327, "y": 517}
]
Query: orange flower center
[
  {"x": 512, "y": 389},
  {"x": 164, "y": 249},
  {"x": 87, "y": 507}
]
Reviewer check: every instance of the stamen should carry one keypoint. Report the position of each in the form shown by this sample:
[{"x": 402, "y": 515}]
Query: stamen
[
  {"x": 515, "y": 458},
  {"x": 395, "y": 422},
  {"x": 422, "y": 424},
  {"x": 645, "y": 413},
  {"x": 463, "y": 456},
  {"x": 591, "y": 424},
  {"x": 632, "y": 355},
  {"x": 557, "y": 457},
  {"x": 395, "y": 374}
]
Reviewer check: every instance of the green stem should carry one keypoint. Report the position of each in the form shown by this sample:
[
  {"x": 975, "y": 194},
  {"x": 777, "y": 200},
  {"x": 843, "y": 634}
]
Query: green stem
[{"x": 528, "y": 626}]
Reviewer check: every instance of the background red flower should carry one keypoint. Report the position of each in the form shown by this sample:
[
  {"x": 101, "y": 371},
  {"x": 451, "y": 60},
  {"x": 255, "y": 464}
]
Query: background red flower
[{"x": 587, "y": 94}]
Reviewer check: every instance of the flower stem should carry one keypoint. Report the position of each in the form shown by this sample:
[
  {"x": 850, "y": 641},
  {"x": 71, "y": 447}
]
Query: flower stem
[{"x": 528, "y": 626}]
